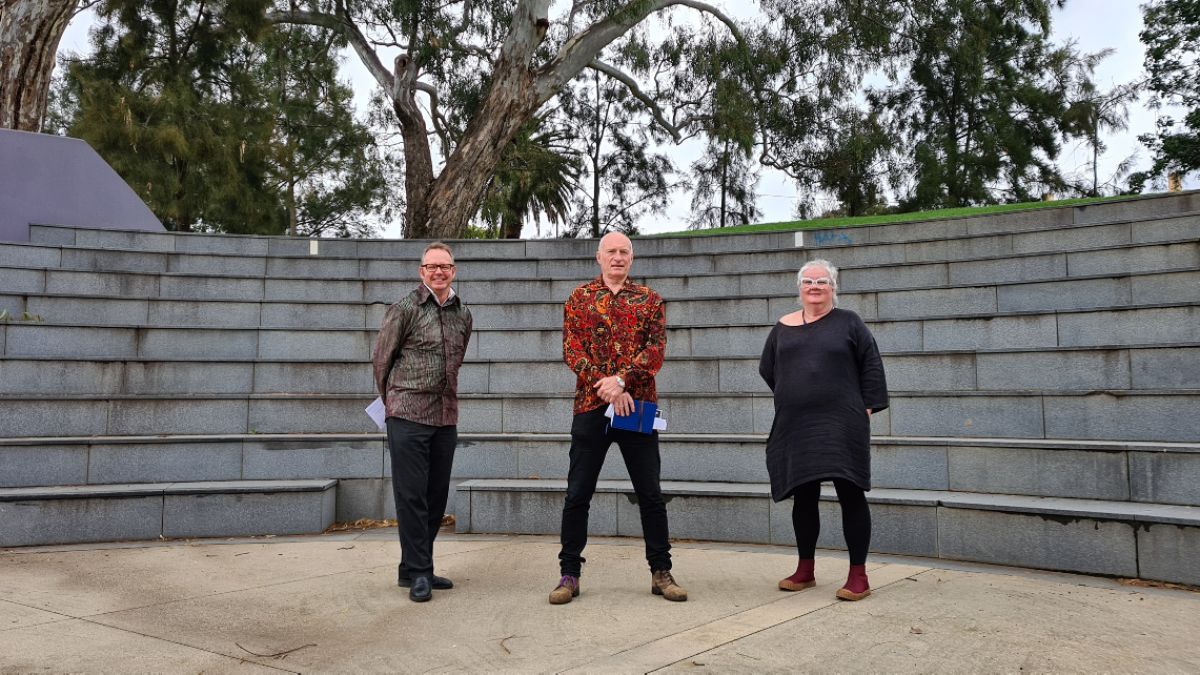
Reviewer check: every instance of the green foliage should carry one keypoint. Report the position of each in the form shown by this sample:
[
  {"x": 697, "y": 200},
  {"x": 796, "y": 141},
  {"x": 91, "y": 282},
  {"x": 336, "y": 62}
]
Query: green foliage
[
  {"x": 535, "y": 178},
  {"x": 1171, "y": 34},
  {"x": 982, "y": 101},
  {"x": 1092, "y": 112},
  {"x": 852, "y": 164},
  {"x": 161, "y": 103},
  {"x": 622, "y": 178},
  {"x": 221, "y": 122},
  {"x": 26, "y": 317},
  {"x": 811, "y": 61},
  {"x": 723, "y": 191},
  {"x": 323, "y": 165}
]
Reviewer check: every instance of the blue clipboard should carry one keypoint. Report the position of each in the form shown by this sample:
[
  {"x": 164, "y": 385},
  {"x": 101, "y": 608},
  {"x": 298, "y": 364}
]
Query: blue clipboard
[{"x": 640, "y": 420}]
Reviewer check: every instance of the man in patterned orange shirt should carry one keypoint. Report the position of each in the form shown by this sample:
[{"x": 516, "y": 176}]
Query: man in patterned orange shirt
[{"x": 614, "y": 338}]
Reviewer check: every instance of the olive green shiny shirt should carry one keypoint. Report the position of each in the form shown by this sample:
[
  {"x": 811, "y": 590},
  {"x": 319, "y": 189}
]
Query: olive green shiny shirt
[{"x": 418, "y": 353}]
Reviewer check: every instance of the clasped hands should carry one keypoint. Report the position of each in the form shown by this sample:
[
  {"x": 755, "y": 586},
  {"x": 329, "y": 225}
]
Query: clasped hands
[{"x": 610, "y": 391}]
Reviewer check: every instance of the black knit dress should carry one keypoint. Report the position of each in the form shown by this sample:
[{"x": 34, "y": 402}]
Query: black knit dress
[{"x": 825, "y": 375}]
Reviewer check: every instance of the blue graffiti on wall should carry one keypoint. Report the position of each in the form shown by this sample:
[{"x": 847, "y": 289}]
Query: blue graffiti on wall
[{"x": 827, "y": 238}]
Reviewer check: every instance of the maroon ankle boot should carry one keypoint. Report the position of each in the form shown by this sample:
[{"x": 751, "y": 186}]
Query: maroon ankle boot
[
  {"x": 856, "y": 587},
  {"x": 802, "y": 579}
]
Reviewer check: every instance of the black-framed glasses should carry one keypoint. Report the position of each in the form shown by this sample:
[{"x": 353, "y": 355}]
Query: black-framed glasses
[{"x": 438, "y": 268}]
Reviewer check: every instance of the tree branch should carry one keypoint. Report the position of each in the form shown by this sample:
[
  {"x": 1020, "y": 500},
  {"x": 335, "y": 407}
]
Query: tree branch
[
  {"x": 580, "y": 50},
  {"x": 352, "y": 34},
  {"x": 637, "y": 93},
  {"x": 440, "y": 125}
]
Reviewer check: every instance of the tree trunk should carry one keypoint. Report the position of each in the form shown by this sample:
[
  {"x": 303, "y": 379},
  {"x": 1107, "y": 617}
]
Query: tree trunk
[
  {"x": 418, "y": 160},
  {"x": 724, "y": 179},
  {"x": 29, "y": 35},
  {"x": 454, "y": 196},
  {"x": 510, "y": 226}
]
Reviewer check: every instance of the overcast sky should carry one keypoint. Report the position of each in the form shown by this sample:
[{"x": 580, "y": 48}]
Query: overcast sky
[{"x": 1093, "y": 24}]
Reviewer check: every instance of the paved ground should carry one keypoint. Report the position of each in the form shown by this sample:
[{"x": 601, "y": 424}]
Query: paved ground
[{"x": 330, "y": 604}]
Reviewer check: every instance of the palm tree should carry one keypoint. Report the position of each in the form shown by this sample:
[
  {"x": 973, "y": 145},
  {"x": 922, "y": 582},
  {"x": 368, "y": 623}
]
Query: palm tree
[{"x": 535, "y": 178}]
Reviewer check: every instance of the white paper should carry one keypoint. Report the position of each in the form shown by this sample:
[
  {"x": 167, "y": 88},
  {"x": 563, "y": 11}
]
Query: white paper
[{"x": 377, "y": 411}]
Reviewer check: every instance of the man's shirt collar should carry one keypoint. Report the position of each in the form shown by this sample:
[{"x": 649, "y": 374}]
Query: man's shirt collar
[{"x": 427, "y": 292}]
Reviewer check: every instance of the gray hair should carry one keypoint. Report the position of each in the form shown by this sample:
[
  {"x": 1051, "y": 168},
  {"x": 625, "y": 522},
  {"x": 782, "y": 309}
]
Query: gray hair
[
  {"x": 437, "y": 246},
  {"x": 829, "y": 269}
]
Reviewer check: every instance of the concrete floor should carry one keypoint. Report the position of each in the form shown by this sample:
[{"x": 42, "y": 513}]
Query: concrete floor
[{"x": 329, "y": 603}]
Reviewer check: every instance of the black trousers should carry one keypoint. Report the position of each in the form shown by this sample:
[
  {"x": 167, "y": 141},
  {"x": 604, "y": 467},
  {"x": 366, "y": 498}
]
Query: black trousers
[
  {"x": 422, "y": 456},
  {"x": 590, "y": 440},
  {"x": 856, "y": 519}
]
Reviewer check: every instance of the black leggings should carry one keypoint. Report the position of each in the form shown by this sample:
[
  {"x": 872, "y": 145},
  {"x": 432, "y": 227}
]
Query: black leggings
[{"x": 856, "y": 519}]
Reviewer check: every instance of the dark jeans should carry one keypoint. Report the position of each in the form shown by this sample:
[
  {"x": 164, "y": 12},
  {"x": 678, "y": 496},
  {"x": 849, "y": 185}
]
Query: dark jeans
[
  {"x": 590, "y": 440},
  {"x": 421, "y": 459},
  {"x": 856, "y": 519}
]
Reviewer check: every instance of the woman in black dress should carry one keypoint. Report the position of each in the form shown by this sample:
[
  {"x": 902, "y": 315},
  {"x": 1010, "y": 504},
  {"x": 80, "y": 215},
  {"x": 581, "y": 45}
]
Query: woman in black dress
[{"x": 825, "y": 371}]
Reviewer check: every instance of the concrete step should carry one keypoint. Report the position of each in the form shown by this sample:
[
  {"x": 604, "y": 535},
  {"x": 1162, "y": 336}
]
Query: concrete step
[
  {"x": 1134, "y": 209},
  {"x": 38, "y": 516},
  {"x": 1163, "y": 473},
  {"x": 1134, "y": 415},
  {"x": 1163, "y": 366},
  {"x": 1168, "y": 246},
  {"x": 529, "y": 304},
  {"x": 836, "y": 244},
  {"x": 1011, "y": 274},
  {"x": 1166, "y": 323},
  {"x": 1151, "y": 541}
]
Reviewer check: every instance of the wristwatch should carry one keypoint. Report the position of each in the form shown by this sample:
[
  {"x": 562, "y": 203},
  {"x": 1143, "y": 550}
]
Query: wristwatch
[{"x": 621, "y": 381}]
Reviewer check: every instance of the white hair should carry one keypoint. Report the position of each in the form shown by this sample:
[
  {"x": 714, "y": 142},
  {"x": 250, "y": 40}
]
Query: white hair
[{"x": 829, "y": 269}]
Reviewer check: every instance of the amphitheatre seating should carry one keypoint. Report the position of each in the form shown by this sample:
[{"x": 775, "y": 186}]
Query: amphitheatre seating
[{"x": 1044, "y": 370}]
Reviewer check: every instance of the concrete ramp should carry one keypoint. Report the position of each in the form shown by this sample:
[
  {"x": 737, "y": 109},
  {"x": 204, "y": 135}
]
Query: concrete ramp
[{"x": 52, "y": 180}]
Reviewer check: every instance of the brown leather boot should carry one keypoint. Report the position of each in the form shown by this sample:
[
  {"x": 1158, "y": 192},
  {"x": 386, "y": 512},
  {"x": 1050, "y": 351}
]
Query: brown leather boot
[
  {"x": 662, "y": 583},
  {"x": 857, "y": 587},
  {"x": 802, "y": 579},
  {"x": 568, "y": 587}
]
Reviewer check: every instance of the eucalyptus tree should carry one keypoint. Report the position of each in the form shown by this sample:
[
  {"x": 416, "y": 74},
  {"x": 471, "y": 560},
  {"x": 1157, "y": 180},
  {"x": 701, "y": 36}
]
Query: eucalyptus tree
[
  {"x": 1171, "y": 35},
  {"x": 723, "y": 188},
  {"x": 30, "y": 31},
  {"x": 723, "y": 177},
  {"x": 469, "y": 74}
]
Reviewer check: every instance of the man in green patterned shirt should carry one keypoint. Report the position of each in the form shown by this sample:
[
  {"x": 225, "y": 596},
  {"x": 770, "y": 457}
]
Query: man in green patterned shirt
[{"x": 417, "y": 356}]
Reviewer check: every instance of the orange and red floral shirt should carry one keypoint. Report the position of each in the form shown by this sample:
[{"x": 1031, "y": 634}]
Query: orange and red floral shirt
[{"x": 606, "y": 333}]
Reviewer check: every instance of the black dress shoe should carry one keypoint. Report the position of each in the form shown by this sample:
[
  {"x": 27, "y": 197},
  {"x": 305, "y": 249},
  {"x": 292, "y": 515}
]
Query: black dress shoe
[
  {"x": 439, "y": 583},
  {"x": 421, "y": 590}
]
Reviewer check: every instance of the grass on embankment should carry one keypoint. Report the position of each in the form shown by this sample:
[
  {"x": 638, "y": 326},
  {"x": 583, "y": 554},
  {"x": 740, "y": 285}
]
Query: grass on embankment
[{"x": 915, "y": 216}]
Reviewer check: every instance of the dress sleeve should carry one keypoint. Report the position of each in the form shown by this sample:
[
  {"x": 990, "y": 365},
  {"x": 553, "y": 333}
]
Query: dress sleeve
[
  {"x": 766, "y": 363},
  {"x": 392, "y": 333},
  {"x": 871, "y": 379}
]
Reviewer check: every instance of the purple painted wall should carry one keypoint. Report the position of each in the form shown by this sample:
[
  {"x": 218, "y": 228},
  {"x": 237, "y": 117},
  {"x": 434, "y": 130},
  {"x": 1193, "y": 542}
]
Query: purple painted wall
[{"x": 51, "y": 180}]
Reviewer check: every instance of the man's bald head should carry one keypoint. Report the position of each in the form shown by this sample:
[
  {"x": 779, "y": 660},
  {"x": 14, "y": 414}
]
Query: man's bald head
[
  {"x": 614, "y": 239},
  {"x": 615, "y": 255}
]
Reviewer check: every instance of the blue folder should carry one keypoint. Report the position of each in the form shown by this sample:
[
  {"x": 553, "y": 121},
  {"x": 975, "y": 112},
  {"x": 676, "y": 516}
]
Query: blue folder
[{"x": 640, "y": 420}]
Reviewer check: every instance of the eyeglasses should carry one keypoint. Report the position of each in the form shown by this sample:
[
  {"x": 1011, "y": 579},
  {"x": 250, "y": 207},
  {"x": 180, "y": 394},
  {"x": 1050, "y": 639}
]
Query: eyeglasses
[
  {"x": 437, "y": 268},
  {"x": 823, "y": 282}
]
